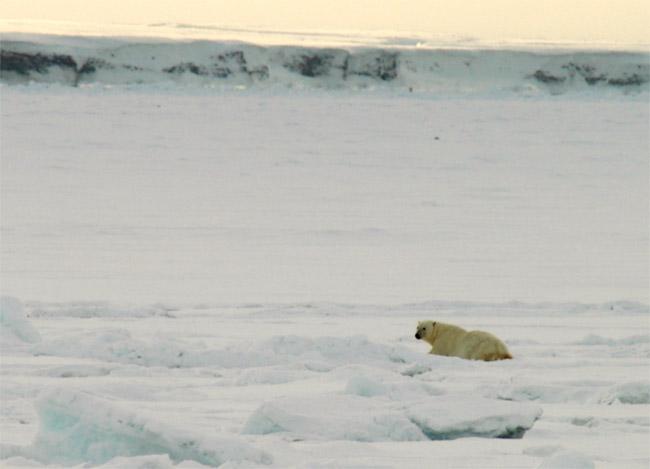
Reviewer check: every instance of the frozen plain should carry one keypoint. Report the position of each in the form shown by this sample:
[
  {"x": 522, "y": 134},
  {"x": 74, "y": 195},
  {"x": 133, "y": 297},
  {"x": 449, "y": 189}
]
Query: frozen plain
[{"x": 217, "y": 267}]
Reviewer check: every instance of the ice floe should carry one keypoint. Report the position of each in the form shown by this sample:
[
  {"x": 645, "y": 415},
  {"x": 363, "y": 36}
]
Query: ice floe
[
  {"x": 391, "y": 387},
  {"x": 567, "y": 459},
  {"x": 351, "y": 417},
  {"x": 338, "y": 417},
  {"x": 78, "y": 427},
  {"x": 451, "y": 417},
  {"x": 14, "y": 323},
  {"x": 628, "y": 393}
]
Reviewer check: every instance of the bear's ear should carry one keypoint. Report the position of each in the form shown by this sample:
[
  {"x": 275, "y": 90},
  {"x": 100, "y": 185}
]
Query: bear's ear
[{"x": 434, "y": 324}]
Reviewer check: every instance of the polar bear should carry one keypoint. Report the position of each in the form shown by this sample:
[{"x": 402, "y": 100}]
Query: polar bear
[{"x": 454, "y": 341}]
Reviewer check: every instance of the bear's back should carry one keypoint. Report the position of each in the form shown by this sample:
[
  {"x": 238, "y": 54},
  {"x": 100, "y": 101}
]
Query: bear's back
[
  {"x": 481, "y": 345},
  {"x": 442, "y": 328}
]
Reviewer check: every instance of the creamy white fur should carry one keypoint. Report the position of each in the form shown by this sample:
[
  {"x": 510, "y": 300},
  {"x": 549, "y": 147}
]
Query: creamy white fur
[{"x": 454, "y": 341}]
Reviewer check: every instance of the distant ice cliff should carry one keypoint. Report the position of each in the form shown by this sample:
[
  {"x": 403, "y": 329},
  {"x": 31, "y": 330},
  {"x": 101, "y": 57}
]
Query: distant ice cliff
[{"x": 82, "y": 60}]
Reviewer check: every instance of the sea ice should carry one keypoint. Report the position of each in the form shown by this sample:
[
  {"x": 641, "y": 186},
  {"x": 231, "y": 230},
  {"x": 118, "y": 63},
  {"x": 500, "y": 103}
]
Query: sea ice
[
  {"x": 629, "y": 393},
  {"x": 349, "y": 417},
  {"x": 190, "y": 254},
  {"x": 634, "y": 392},
  {"x": 567, "y": 459},
  {"x": 117, "y": 345},
  {"x": 593, "y": 339},
  {"x": 391, "y": 387},
  {"x": 271, "y": 375},
  {"x": 81, "y": 427},
  {"x": 451, "y": 417},
  {"x": 76, "y": 371},
  {"x": 337, "y": 417},
  {"x": 14, "y": 323}
]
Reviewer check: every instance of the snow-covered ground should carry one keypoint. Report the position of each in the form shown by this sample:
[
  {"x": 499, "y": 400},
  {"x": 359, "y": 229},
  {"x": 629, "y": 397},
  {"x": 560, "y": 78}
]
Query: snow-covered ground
[
  {"x": 235, "y": 277},
  {"x": 180, "y": 194},
  {"x": 324, "y": 385}
]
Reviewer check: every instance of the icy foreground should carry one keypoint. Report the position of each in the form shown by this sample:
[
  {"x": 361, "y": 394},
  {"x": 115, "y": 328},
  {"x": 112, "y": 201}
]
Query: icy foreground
[
  {"x": 194, "y": 387},
  {"x": 79, "y": 427}
]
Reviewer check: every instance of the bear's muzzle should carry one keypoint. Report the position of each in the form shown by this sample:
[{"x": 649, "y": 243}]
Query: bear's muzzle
[{"x": 417, "y": 335}]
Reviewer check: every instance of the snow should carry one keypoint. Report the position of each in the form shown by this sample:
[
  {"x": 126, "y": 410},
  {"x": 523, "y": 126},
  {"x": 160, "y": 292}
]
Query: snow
[
  {"x": 218, "y": 276},
  {"x": 77, "y": 371},
  {"x": 593, "y": 339},
  {"x": 321, "y": 396},
  {"x": 196, "y": 197},
  {"x": 567, "y": 460},
  {"x": 117, "y": 345},
  {"x": 366, "y": 384}
]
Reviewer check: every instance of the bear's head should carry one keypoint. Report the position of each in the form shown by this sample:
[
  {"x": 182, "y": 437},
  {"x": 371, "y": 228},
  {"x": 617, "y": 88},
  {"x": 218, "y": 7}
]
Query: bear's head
[{"x": 425, "y": 329}]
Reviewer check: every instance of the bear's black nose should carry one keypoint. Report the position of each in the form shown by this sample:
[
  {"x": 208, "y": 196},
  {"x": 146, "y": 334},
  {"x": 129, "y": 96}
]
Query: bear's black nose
[{"x": 417, "y": 335}]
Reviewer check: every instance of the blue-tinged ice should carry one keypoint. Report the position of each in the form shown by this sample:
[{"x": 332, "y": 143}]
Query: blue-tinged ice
[
  {"x": 13, "y": 322},
  {"x": 78, "y": 427}
]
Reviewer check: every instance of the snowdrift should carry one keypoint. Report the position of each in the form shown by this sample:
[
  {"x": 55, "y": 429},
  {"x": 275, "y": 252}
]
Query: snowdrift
[
  {"x": 78, "y": 60},
  {"x": 14, "y": 324},
  {"x": 346, "y": 417},
  {"x": 80, "y": 427}
]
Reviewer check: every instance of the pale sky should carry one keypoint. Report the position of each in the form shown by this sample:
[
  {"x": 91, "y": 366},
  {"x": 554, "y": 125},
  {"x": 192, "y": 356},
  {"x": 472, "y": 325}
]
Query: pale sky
[{"x": 606, "y": 21}]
